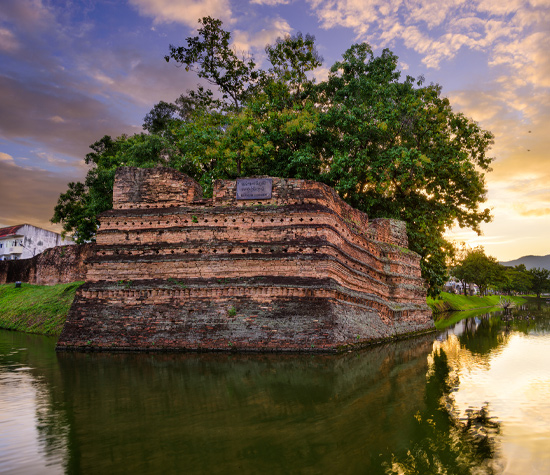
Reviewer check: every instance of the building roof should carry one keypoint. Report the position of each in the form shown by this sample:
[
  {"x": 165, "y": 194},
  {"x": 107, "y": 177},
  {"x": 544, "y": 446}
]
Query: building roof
[{"x": 10, "y": 230}]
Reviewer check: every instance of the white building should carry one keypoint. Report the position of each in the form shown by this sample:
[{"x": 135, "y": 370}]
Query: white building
[{"x": 25, "y": 241}]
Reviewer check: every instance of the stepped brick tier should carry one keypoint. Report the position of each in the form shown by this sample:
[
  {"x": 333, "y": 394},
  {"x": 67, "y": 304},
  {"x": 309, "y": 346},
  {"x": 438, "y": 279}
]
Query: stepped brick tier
[{"x": 267, "y": 264}]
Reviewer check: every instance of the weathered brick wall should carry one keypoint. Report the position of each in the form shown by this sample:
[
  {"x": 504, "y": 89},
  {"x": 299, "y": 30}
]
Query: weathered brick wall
[
  {"x": 299, "y": 271},
  {"x": 56, "y": 265},
  {"x": 153, "y": 187}
]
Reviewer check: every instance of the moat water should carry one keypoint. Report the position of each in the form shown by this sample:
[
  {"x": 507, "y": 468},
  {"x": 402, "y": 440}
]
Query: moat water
[{"x": 474, "y": 398}]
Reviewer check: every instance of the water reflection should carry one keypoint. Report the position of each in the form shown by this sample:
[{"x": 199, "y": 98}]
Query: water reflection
[
  {"x": 33, "y": 429},
  {"x": 408, "y": 407},
  {"x": 218, "y": 413},
  {"x": 443, "y": 442}
]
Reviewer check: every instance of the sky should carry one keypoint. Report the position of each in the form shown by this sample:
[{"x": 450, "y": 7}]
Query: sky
[{"x": 74, "y": 71}]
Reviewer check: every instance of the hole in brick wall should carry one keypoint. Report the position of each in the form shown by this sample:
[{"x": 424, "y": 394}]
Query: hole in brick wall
[
  {"x": 215, "y": 220},
  {"x": 314, "y": 251},
  {"x": 233, "y": 220},
  {"x": 186, "y": 221},
  {"x": 253, "y": 220},
  {"x": 229, "y": 250},
  {"x": 125, "y": 223},
  {"x": 103, "y": 253},
  {"x": 167, "y": 222},
  {"x": 157, "y": 251},
  {"x": 116, "y": 223},
  {"x": 158, "y": 222},
  {"x": 301, "y": 219},
  {"x": 225, "y": 220},
  {"x": 214, "y": 251},
  {"x": 257, "y": 250},
  {"x": 271, "y": 250},
  {"x": 185, "y": 251},
  {"x": 291, "y": 220},
  {"x": 243, "y": 220},
  {"x": 172, "y": 251},
  {"x": 200, "y": 251},
  {"x": 285, "y": 250},
  {"x": 141, "y": 224},
  {"x": 272, "y": 220},
  {"x": 206, "y": 221},
  {"x": 259, "y": 202},
  {"x": 243, "y": 251},
  {"x": 300, "y": 250},
  {"x": 147, "y": 206},
  {"x": 282, "y": 220},
  {"x": 262, "y": 220},
  {"x": 311, "y": 219}
]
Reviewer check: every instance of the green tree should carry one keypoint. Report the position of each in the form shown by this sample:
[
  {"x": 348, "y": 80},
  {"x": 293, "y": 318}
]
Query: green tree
[
  {"x": 540, "y": 280},
  {"x": 398, "y": 150},
  {"x": 78, "y": 208},
  {"x": 391, "y": 147},
  {"x": 478, "y": 268},
  {"x": 210, "y": 55},
  {"x": 515, "y": 279}
]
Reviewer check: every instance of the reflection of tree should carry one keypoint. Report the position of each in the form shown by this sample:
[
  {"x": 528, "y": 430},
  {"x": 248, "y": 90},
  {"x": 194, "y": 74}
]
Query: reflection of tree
[
  {"x": 442, "y": 443},
  {"x": 482, "y": 337}
]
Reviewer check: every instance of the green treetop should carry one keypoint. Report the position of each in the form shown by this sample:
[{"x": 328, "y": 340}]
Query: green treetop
[{"x": 391, "y": 147}]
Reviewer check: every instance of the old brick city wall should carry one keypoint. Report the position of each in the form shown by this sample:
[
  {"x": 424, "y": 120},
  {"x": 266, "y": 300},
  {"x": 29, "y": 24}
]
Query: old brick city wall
[
  {"x": 300, "y": 270},
  {"x": 57, "y": 265}
]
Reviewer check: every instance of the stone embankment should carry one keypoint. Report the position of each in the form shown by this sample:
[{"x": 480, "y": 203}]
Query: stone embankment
[{"x": 296, "y": 269}]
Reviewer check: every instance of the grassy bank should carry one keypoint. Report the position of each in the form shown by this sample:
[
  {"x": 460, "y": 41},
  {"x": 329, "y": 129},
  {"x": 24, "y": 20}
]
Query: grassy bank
[
  {"x": 447, "y": 302},
  {"x": 36, "y": 308}
]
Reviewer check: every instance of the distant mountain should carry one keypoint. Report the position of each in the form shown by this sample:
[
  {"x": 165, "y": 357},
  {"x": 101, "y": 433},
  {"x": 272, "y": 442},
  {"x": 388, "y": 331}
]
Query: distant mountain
[{"x": 530, "y": 262}]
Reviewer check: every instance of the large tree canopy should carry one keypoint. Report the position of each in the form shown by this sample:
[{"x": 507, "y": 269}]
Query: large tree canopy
[{"x": 391, "y": 147}]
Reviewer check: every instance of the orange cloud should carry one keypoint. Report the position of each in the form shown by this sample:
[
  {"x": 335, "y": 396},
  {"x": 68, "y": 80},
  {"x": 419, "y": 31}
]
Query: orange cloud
[{"x": 183, "y": 11}]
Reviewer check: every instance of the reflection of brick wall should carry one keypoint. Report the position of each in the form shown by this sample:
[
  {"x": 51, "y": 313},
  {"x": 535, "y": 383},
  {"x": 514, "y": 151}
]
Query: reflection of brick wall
[
  {"x": 56, "y": 265},
  {"x": 302, "y": 270}
]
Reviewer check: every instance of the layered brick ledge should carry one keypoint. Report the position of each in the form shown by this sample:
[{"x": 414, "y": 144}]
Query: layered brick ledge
[{"x": 302, "y": 271}]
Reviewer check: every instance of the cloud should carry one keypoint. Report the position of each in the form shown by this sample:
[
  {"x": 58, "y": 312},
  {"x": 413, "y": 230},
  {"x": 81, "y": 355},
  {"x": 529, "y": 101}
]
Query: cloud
[
  {"x": 270, "y": 3},
  {"x": 5, "y": 157},
  {"x": 528, "y": 55},
  {"x": 30, "y": 112},
  {"x": 533, "y": 212},
  {"x": 29, "y": 15},
  {"x": 244, "y": 40},
  {"x": 186, "y": 12},
  {"x": 438, "y": 30},
  {"x": 8, "y": 42},
  {"x": 31, "y": 194}
]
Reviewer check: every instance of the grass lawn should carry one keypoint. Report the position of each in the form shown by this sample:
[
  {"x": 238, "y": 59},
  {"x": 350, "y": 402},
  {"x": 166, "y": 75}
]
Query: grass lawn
[
  {"x": 36, "y": 308},
  {"x": 448, "y": 302}
]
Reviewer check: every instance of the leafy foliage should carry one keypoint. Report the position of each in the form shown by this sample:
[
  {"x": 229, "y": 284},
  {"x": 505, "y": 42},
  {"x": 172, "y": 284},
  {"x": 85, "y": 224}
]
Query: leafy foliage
[
  {"x": 391, "y": 147},
  {"x": 78, "y": 208},
  {"x": 540, "y": 280},
  {"x": 478, "y": 268},
  {"x": 210, "y": 56}
]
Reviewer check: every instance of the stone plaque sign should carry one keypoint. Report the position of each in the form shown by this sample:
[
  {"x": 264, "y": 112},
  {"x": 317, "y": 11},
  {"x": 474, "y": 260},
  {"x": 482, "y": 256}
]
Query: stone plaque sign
[{"x": 254, "y": 188}]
